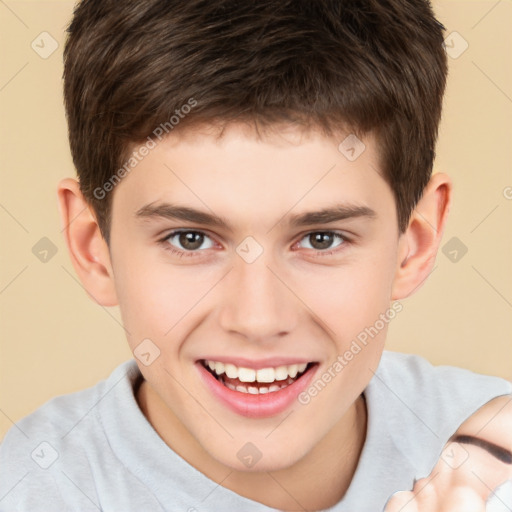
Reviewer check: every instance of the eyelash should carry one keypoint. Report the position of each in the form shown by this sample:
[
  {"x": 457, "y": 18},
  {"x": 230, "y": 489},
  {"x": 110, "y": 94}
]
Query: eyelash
[{"x": 317, "y": 253}]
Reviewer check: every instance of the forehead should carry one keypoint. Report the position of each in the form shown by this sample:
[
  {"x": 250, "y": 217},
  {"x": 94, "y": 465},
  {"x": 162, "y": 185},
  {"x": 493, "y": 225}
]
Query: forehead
[{"x": 243, "y": 174}]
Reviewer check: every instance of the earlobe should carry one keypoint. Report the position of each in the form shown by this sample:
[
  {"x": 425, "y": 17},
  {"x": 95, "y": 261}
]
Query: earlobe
[
  {"x": 88, "y": 250},
  {"x": 419, "y": 244}
]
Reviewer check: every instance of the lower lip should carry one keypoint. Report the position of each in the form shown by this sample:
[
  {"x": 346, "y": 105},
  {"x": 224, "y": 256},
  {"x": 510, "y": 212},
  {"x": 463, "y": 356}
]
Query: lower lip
[{"x": 261, "y": 405}]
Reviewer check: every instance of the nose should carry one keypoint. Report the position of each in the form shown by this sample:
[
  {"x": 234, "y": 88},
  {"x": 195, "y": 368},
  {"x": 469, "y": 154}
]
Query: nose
[{"x": 258, "y": 303}]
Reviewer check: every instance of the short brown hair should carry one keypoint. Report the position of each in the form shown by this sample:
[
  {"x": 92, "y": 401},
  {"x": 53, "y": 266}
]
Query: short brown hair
[{"x": 367, "y": 65}]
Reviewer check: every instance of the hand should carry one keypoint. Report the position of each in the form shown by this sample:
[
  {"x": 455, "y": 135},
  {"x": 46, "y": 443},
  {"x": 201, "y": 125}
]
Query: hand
[
  {"x": 474, "y": 472},
  {"x": 453, "y": 486},
  {"x": 464, "y": 499}
]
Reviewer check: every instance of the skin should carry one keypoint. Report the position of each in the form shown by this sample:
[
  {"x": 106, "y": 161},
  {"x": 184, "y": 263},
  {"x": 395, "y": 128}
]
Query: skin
[
  {"x": 467, "y": 482},
  {"x": 292, "y": 301}
]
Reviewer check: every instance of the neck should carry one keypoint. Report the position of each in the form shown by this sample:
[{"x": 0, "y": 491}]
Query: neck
[{"x": 317, "y": 481}]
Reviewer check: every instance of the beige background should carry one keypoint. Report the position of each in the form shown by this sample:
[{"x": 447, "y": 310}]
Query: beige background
[{"x": 55, "y": 340}]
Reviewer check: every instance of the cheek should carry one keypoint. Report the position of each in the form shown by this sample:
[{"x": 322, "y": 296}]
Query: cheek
[
  {"x": 355, "y": 303},
  {"x": 350, "y": 298},
  {"x": 155, "y": 299}
]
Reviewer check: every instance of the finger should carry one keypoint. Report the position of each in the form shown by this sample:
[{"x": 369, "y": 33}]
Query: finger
[
  {"x": 402, "y": 501},
  {"x": 462, "y": 499},
  {"x": 469, "y": 465},
  {"x": 421, "y": 499}
]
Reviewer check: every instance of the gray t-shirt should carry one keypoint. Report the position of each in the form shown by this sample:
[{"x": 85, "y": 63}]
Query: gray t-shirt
[{"x": 94, "y": 449}]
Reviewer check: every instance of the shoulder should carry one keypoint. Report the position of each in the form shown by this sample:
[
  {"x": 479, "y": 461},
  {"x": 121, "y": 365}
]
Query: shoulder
[
  {"x": 414, "y": 374},
  {"x": 65, "y": 412},
  {"x": 421, "y": 405},
  {"x": 40, "y": 452},
  {"x": 435, "y": 391}
]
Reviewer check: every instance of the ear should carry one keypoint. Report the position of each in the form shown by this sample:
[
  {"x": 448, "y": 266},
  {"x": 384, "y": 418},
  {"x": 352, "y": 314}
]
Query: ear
[
  {"x": 88, "y": 250},
  {"x": 419, "y": 244}
]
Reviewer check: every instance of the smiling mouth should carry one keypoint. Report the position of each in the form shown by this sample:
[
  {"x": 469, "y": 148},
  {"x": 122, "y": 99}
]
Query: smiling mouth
[{"x": 256, "y": 382}]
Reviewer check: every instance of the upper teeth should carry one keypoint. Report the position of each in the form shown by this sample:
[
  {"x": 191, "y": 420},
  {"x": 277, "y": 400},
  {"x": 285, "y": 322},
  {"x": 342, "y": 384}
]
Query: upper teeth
[{"x": 260, "y": 375}]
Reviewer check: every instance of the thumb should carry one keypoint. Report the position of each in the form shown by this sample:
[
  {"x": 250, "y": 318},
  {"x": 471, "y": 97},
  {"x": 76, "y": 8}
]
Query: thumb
[{"x": 401, "y": 501}]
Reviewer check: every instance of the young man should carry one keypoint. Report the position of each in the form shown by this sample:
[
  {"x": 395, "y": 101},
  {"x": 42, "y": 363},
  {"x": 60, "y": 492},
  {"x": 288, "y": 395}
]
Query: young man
[{"x": 255, "y": 193}]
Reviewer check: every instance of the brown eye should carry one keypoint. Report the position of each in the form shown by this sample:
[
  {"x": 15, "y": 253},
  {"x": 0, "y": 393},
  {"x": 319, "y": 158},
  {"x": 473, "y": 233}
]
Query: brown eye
[
  {"x": 322, "y": 240},
  {"x": 189, "y": 240}
]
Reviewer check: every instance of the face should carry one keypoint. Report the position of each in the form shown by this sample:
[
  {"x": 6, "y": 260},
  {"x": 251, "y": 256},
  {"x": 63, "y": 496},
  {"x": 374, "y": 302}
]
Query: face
[{"x": 254, "y": 278}]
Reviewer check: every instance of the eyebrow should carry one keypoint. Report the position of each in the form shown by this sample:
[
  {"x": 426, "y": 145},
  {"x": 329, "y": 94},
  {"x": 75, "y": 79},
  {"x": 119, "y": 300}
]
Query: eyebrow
[
  {"x": 499, "y": 452},
  {"x": 172, "y": 212},
  {"x": 339, "y": 212},
  {"x": 324, "y": 216}
]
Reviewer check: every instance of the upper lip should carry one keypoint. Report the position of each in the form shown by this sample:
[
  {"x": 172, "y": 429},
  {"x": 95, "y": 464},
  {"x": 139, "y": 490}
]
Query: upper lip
[{"x": 257, "y": 364}]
